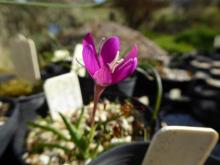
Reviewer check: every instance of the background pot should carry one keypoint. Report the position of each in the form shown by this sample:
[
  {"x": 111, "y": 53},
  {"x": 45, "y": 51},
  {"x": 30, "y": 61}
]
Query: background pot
[
  {"x": 205, "y": 106},
  {"x": 145, "y": 86},
  {"x": 7, "y": 130},
  {"x": 6, "y": 77},
  {"x": 30, "y": 107},
  {"x": 127, "y": 86},
  {"x": 183, "y": 85},
  {"x": 55, "y": 69}
]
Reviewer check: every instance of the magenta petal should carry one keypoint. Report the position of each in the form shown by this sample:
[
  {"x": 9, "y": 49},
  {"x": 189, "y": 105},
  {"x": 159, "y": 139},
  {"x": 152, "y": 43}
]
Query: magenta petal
[
  {"x": 124, "y": 70},
  {"x": 109, "y": 50},
  {"x": 88, "y": 40},
  {"x": 90, "y": 59},
  {"x": 132, "y": 54},
  {"x": 103, "y": 76}
]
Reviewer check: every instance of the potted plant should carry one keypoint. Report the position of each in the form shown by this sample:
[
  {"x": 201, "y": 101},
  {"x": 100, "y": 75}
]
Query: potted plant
[
  {"x": 98, "y": 125},
  {"x": 9, "y": 119},
  {"x": 30, "y": 97},
  {"x": 116, "y": 122}
]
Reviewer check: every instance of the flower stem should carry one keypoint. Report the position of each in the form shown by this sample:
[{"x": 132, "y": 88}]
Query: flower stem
[{"x": 98, "y": 90}]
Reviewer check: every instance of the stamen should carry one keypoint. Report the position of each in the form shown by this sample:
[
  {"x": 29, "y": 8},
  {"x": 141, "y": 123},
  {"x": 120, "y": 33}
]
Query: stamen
[
  {"x": 77, "y": 60},
  {"x": 114, "y": 62},
  {"x": 117, "y": 63}
]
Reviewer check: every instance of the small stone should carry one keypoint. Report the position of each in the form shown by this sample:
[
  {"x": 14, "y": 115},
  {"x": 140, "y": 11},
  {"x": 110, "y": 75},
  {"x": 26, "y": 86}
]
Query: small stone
[{"x": 44, "y": 159}]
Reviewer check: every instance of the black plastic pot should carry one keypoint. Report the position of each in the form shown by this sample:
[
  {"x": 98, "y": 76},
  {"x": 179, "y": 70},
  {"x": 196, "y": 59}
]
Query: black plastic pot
[
  {"x": 145, "y": 116},
  {"x": 127, "y": 86},
  {"x": 179, "y": 104},
  {"x": 206, "y": 106},
  {"x": 6, "y": 77},
  {"x": 216, "y": 56},
  {"x": 145, "y": 112},
  {"x": 55, "y": 69},
  {"x": 213, "y": 87},
  {"x": 8, "y": 129},
  {"x": 145, "y": 86},
  {"x": 183, "y": 85},
  {"x": 128, "y": 154},
  {"x": 87, "y": 87},
  {"x": 132, "y": 154},
  {"x": 214, "y": 74},
  {"x": 178, "y": 112},
  {"x": 30, "y": 108},
  {"x": 204, "y": 60}
]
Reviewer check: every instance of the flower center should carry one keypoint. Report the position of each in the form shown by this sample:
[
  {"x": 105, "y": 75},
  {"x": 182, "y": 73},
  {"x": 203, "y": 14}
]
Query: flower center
[{"x": 115, "y": 62}]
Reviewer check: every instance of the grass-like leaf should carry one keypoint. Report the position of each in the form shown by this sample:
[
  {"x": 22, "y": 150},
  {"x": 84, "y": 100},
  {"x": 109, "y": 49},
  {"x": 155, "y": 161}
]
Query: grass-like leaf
[
  {"x": 78, "y": 122},
  {"x": 95, "y": 151},
  {"x": 76, "y": 137},
  {"x": 90, "y": 138},
  {"x": 50, "y": 129}
]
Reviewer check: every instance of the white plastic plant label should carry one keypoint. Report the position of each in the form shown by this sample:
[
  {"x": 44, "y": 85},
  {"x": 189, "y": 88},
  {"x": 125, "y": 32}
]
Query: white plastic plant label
[
  {"x": 77, "y": 63},
  {"x": 24, "y": 58},
  {"x": 181, "y": 145},
  {"x": 217, "y": 41},
  {"x": 63, "y": 94}
]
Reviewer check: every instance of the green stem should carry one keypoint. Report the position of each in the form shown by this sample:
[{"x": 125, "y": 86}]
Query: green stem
[
  {"x": 159, "y": 94},
  {"x": 156, "y": 108},
  {"x": 151, "y": 126}
]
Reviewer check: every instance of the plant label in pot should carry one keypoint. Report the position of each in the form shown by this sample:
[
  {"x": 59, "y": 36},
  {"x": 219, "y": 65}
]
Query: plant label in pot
[
  {"x": 77, "y": 63},
  {"x": 216, "y": 43},
  {"x": 24, "y": 58},
  {"x": 63, "y": 94},
  {"x": 181, "y": 145}
]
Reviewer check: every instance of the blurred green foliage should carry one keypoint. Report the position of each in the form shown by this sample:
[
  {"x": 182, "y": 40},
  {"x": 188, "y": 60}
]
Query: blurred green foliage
[
  {"x": 200, "y": 37},
  {"x": 181, "y": 30},
  {"x": 193, "y": 38},
  {"x": 169, "y": 43}
]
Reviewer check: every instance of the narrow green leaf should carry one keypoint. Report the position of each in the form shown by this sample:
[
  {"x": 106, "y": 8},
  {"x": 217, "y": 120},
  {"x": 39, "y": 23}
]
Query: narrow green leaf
[
  {"x": 76, "y": 137},
  {"x": 92, "y": 133},
  {"x": 90, "y": 138},
  {"x": 50, "y": 129},
  {"x": 95, "y": 151},
  {"x": 78, "y": 122}
]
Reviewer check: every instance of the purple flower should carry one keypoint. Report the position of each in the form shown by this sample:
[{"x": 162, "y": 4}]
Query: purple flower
[{"x": 106, "y": 68}]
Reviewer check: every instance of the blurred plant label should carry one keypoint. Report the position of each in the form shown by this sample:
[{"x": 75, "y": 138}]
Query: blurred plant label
[
  {"x": 77, "y": 63},
  {"x": 63, "y": 94},
  {"x": 181, "y": 145},
  {"x": 217, "y": 41},
  {"x": 24, "y": 58}
]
